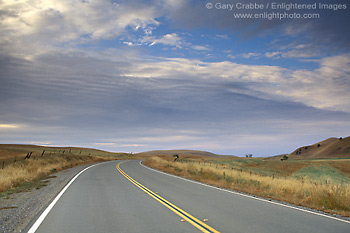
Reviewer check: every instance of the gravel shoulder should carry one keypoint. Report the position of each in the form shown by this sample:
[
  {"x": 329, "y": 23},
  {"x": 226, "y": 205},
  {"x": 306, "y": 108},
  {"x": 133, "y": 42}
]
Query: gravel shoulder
[{"x": 18, "y": 212}]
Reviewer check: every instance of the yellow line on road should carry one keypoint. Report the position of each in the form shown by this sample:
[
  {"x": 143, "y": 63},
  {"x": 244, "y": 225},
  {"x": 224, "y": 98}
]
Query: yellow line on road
[{"x": 189, "y": 218}]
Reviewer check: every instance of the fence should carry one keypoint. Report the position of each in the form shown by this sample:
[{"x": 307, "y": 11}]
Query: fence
[{"x": 35, "y": 155}]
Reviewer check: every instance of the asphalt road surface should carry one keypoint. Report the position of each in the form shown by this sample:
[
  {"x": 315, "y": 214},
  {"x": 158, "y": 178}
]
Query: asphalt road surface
[{"x": 128, "y": 197}]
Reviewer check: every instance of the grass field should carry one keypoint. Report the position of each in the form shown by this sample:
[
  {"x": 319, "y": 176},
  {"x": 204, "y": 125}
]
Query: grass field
[
  {"x": 322, "y": 184},
  {"x": 18, "y": 172},
  {"x": 318, "y": 184}
]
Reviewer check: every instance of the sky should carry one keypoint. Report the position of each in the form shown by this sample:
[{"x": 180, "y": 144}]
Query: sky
[{"x": 140, "y": 75}]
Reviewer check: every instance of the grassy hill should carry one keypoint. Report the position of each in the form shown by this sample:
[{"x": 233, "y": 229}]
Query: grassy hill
[
  {"x": 25, "y": 165},
  {"x": 329, "y": 148},
  {"x": 181, "y": 153},
  {"x": 12, "y": 151}
]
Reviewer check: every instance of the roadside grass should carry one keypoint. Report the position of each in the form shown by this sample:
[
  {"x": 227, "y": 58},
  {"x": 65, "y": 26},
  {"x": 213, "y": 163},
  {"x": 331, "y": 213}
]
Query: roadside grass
[
  {"x": 324, "y": 174},
  {"x": 24, "y": 167},
  {"x": 316, "y": 185},
  {"x": 27, "y": 174}
]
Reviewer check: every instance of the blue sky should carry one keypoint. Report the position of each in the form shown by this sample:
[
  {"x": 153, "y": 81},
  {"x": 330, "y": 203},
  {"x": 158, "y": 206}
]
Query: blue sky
[{"x": 172, "y": 74}]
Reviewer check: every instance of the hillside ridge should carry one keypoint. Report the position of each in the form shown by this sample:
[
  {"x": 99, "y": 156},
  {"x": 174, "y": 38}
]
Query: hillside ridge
[
  {"x": 179, "y": 152},
  {"x": 328, "y": 148},
  {"x": 9, "y": 151}
]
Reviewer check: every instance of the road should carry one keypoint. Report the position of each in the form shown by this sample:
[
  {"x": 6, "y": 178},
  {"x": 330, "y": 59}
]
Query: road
[{"x": 132, "y": 198}]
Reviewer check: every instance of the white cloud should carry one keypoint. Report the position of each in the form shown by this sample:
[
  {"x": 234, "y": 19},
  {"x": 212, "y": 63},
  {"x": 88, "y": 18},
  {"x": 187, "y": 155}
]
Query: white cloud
[
  {"x": 324, "y": 88},
  {"x": 172, "y": 39},
  {"x": 129, "y": 43},
  {"x": 105, "y": 144},
  {"x": 40, "y": 143},
  {"x": 36, "y": 25},
  {"x": 250, "y": 55},
  {"x": 295, "y": 51},
  {"x": 200, "y": 48},
  {"x": 223, "y": 36},
  {"x": 243, "y": 55},
  {"x": 9, "y": 126},
  {"x": 132, "y": 145},
  {"x": 273, "y": 55}
]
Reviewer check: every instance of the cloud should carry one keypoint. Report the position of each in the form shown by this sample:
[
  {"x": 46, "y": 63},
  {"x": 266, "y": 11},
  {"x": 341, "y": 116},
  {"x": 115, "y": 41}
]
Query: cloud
[
  {"x": 38, "y": 25},
  {"x": 40, "y": 143},
  {"x": 324, "y": 88},
  {"x": 162, "y": 103},
  {"x": 104, "y": 143},
  {"x": 200, "y": 48},
  {"x": 250, "y": 55},
  {"x": 172, "y": 39},
  {"x": 60, "y": 82},
  {"x": 9, "y": 126},
  {"x": 273, "y": 55},
  {"x": 322, "y": 31}
]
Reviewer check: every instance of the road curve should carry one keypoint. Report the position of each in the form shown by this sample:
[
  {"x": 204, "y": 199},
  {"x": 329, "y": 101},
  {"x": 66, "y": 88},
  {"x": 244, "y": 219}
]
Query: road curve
[{"x": 104, "y": 199}]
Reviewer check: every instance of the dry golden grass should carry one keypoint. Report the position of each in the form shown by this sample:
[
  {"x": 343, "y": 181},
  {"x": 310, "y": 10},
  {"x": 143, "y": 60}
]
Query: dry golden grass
[
  {"x": 331, "y": 198},
  {"x": 16, "y": 169},
  {"x": 36, "y": 167}
]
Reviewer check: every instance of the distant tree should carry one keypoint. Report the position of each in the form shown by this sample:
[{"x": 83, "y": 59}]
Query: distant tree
[
  {"x": 318, "y": 145},
  {"x": 285, "y": 157},
  {"x": 249, "y": 155}
]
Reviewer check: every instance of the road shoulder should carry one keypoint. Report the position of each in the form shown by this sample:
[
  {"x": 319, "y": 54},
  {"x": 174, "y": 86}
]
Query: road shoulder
[{"x": 19, "y": 210}]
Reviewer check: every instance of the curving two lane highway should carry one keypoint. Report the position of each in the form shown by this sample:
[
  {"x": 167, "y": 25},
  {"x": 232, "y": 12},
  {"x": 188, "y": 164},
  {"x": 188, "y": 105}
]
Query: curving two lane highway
[{"x": 129, "y": 197}]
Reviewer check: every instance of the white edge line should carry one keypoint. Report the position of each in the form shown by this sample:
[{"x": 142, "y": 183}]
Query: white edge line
[
  {"x": 244, "y": 195},
  {"x": 48, "y": 209}
]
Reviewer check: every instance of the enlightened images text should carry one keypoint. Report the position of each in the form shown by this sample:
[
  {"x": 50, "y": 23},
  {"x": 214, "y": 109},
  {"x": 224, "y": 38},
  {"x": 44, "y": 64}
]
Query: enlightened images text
[{"x": 277, "y": 6}]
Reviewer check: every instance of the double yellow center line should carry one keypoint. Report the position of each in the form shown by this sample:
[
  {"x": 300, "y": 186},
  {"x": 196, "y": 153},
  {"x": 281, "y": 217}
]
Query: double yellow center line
[{"x": 189, "y": 218}]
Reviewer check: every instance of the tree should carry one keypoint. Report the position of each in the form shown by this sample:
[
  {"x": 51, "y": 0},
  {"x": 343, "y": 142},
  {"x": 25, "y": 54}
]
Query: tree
[{"x": 176, "y": 157}]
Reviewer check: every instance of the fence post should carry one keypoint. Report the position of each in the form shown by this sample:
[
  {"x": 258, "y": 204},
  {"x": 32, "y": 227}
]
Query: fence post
[{"x": 3, "y": 164}]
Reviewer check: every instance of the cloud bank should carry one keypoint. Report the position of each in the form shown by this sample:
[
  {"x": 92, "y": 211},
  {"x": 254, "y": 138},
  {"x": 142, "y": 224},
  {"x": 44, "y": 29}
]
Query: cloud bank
[{"x": 81, "y": 73}]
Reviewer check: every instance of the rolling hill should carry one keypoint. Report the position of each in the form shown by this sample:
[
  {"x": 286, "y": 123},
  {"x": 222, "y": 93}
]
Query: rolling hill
[
  {"x": 181, "y": 153},
  {"x": 329, "y": 148},
  {"x": 10, "y": 151}
]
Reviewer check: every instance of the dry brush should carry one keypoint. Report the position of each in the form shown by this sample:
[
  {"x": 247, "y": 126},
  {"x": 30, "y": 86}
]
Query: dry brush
[{"x": 331, "y": 198}]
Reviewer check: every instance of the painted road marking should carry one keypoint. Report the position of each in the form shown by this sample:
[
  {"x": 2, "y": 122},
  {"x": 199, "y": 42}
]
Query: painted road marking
[
  {"x": 189, "y": 218},
  {"x": 248, "y": 196},
  {"x": 53, "y": 203}
]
